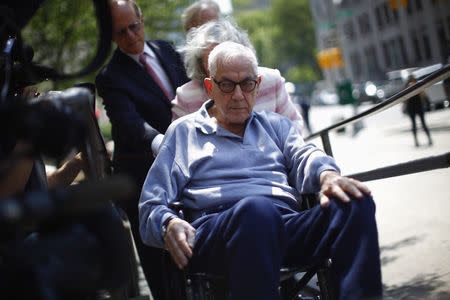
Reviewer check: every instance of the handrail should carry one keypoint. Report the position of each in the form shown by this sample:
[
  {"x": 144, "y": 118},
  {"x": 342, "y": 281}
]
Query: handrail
[
  {"x": 401, "y": 96},
  {"x": 410, "y": 167},
  {"x": 415, "y": 166}
]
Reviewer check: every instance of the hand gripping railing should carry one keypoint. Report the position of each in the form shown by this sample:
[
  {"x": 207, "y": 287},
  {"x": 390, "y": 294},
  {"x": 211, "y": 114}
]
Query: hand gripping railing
[{"x": 415, "y": 166}]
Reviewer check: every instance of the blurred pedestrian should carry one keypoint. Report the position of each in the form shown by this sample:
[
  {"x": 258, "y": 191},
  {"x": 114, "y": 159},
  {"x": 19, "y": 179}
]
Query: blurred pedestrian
[
  {"x": 305, "y": 105},
  {"x": 415, "y": 106}
]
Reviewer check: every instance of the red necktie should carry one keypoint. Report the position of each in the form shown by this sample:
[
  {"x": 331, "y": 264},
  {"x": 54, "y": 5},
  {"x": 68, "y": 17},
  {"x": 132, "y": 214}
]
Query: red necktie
[{"x": 152, "y": 73}]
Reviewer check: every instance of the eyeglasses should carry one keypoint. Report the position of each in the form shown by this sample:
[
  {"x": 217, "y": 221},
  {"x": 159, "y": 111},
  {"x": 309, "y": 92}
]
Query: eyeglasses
[
  {"x": 228, "y": 86},
  {"x": 133, "y": 27}
]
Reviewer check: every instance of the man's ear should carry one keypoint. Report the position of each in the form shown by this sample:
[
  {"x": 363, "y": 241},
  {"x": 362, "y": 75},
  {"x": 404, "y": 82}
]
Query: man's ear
[
  {"x": 208, "y": 83},
  {"x": 258, "y": 79}
]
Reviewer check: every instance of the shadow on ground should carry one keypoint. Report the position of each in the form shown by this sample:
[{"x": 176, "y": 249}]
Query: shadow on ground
[
  {"x": 425, "y": 286},
  {"x": 386, "y": 250},
  {"x": 403, "y": 130}
]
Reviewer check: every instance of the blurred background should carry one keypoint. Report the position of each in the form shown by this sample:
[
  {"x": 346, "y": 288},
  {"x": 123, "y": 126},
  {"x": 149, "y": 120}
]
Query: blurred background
[
  {"x": 338, "y": 57},
  {"x": 331, "y": 52}
]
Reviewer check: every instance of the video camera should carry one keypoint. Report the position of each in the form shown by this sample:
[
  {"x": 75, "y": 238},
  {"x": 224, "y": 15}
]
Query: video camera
[{"x": 70, "y": 242}]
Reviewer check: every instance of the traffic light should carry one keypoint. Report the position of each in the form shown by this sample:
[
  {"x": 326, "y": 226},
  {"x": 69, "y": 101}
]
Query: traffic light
[{"x": 330, "y": 58}]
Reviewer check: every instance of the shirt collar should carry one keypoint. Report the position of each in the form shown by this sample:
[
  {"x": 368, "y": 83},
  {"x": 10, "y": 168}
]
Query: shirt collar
[
  {"x": 206, "y": 124},
  {"x": 147, "y": 50}
]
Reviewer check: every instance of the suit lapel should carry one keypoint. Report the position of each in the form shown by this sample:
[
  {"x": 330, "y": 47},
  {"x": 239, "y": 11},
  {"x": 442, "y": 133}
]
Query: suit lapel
[
  {"x": 140, "y": 75},
  {"x": 164, "y": 63}
]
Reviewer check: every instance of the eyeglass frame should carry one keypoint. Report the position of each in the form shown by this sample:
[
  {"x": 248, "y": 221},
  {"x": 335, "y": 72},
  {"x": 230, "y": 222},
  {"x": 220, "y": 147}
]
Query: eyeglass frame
[
  {"x": 133, "y": 27},
  {"x": 219, "y": 83}
]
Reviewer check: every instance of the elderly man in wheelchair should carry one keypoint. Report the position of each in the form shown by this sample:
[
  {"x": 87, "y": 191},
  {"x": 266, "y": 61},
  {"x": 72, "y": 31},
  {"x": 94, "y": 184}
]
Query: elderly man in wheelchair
[{"x": 238, "y": 174}]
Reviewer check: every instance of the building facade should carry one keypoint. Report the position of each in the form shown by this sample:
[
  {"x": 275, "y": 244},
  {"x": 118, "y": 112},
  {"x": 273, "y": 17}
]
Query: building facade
[{"x": 373, "y": 37}]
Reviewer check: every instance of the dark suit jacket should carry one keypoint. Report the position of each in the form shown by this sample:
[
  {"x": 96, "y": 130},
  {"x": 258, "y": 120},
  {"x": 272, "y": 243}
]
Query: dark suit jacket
[{"x": 137, "y": 107}]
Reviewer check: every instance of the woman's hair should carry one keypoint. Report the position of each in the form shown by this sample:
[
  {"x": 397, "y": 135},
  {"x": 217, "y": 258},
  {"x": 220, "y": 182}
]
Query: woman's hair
[
  {"x": 192, "y": 13},
  {"x": 228, "y": 52},
  {"x": 201, "y": 38}
]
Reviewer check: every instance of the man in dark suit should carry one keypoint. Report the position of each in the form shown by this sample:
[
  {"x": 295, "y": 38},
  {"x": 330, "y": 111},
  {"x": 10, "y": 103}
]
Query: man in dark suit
[{"x": 137, "y": 86}]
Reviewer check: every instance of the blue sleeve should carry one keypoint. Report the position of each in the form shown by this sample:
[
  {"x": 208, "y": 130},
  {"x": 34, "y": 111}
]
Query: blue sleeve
[
  {"x": 305, "y": 161},
  {"x": 162, "y": 186},
  {"x": 127, "y": 123}
]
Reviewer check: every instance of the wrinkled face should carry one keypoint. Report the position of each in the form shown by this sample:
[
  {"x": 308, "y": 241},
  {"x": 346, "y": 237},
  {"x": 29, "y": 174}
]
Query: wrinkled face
[
  {"x": 128, "y": 28},
  {"x": 232, "y": 109}
]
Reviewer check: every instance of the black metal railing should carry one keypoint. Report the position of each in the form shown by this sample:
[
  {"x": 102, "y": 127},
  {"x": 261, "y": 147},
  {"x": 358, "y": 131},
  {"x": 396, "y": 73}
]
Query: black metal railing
[{"x": 410, "y": 167}]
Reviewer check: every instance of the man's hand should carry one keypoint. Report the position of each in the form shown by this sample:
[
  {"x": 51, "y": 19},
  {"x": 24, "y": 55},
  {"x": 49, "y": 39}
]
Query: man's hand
[
  {"x": 179, "y": 241},
  {"x": 334, "y": 185}
]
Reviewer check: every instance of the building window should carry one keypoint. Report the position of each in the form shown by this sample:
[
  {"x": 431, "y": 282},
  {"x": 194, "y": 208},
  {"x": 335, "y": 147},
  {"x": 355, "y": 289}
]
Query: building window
[
  {"x": 448, "y": 23},
  {"x": 416, "y": 45},
  {"x": 419, "y": 5},
  {"x": 364, "y": 24},
  {"x": 349, "y": 30},
  {"x": 426, "y": 45},
  {"x": 387, "y": 57},
  {"x": 379, "y": 17},
  {"x": 387, "y": 13},
  {"x": 442, "y": 40},
  {"x": 401, "y": 44},
  {"x": 409, "y": 7},
  {"x": 372, "y": 61},
  {"x": 395, "y": 15},
  {"x": 356, "y": 64}
]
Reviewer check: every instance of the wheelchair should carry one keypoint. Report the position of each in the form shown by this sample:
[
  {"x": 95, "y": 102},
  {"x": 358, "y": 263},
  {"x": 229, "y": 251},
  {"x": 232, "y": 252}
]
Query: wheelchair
[{"x": 303, "y": 283}]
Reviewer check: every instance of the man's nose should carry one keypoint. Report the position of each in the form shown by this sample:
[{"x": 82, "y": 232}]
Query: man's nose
[{"x": 237, "y": 93}]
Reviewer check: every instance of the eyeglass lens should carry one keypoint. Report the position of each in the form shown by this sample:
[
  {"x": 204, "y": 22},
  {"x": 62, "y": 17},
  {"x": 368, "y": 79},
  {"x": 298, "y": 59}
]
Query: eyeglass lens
[
  {"x": 133, "y": 27},
  {"x": 246, "y": 85}
]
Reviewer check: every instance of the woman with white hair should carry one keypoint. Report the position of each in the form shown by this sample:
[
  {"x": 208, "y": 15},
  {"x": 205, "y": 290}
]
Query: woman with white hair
[{"x": 272, "y": 95}]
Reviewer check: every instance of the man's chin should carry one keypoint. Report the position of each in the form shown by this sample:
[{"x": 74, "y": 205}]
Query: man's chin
[{"x": 135, "y": 48}]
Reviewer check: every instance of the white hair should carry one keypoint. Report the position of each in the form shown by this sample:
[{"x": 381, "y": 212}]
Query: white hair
[{"x": 226, "y": 52}]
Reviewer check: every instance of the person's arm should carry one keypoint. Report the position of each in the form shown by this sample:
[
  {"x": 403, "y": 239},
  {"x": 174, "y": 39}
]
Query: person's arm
[
  {"x": 315, "y": 172},
  {"x": 164, "y": 184},
  {"x": 122, "y": 112},
  {"x": 67, "y": 173},
  {"x": 18, "y": 173}
]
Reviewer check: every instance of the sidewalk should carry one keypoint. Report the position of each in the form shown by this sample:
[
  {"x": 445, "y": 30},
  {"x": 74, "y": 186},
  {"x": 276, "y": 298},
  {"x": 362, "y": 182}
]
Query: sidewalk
[{"x": 413, "y": 211}]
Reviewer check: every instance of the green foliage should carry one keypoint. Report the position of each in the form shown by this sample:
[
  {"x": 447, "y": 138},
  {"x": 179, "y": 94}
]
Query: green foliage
[
  {"x": 162, "y": 18},
  {"x": 64, "y": 33},
  {"x": 105, "y": 129},
  {"x": 295, "y": 39},
  {"x": 242, "y": 4},
  {"x": 302, "y": 73},
  {"x": 284, "y": 38},
  {"x": 261, "y": 34}
]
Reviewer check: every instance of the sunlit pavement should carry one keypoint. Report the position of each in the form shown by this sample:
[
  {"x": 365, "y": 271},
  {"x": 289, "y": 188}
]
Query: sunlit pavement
[{"x": 413, "y": 211}]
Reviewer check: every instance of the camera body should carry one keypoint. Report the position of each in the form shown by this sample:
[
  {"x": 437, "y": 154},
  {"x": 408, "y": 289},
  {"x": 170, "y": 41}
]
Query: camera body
[{"x": 70, "y": 242}]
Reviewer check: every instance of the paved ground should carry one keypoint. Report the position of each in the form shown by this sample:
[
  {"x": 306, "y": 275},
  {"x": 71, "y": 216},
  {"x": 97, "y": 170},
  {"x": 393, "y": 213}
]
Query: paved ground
[{"x": 413, "y": 211}]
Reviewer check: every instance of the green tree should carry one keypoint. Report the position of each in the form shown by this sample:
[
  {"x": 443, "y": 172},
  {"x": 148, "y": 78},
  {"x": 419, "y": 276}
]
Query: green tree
[
  {"x": 295, "y": 37},
  {"x": 283, "y": 37},
  {"x": 64, "y": 33},
  {"x": 261, "y": 34}
]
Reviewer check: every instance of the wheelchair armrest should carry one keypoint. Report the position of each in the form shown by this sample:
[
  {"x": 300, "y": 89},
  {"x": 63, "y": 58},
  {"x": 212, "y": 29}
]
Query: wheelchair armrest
[
  {"x": 308, "y": 201},
  {"x": 178, "y": 207}
]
